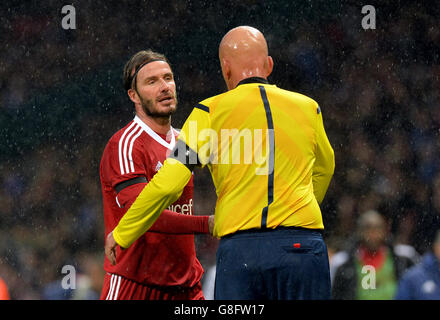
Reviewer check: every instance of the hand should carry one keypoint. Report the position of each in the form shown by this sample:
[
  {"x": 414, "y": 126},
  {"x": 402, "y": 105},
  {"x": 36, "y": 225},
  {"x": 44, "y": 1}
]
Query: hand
[
  {"x": 211, "y": 224},
  {"x": 110, "y": 248}
]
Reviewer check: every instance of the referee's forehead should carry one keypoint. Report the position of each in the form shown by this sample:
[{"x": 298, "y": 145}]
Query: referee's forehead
[{"x": 154, "y": 69}]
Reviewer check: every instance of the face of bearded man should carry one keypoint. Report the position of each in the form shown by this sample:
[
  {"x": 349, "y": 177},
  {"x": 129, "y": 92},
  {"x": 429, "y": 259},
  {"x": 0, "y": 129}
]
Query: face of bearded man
[
  {"x": 168, "y": 105},
  {"x": 156, "y": 90}
]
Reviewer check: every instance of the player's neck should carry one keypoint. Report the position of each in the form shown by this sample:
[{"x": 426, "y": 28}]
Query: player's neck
[{"x": 160, "y": 125}]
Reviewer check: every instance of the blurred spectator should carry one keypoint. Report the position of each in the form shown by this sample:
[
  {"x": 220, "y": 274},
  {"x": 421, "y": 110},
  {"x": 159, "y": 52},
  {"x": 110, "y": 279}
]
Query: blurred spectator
[
  {"x": 422, "y": 281},
  {"x": 87, "y": 273},
  {"x": 4, "y": 293},
  {"x": 384, "y": 263}
]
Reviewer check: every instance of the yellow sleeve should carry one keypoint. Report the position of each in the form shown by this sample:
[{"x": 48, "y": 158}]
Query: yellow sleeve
[
  {"x": 324, "y": 166},
  {"x": 165, "y": 188}
]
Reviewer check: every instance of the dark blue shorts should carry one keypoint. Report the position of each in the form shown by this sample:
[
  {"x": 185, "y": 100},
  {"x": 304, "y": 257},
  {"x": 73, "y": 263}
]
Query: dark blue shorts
[{"x": 274, "y": 264}]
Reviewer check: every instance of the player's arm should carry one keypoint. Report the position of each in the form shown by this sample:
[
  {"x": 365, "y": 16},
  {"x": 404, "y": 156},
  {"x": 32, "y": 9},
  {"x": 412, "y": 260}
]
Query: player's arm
[
  {"x": 325, "y": 161},
  {"x": 169, "y": 221},
  {"x": 165, "y": 187},
  {"x": 176, "y": 223}
]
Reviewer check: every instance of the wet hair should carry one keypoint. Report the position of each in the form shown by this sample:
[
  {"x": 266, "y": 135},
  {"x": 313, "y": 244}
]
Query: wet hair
[{"x": 136, "y": 62}]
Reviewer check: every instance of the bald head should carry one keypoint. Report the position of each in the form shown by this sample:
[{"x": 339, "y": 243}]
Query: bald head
[
  {"x": 243, "y": 41},
  {"x": 372, "y": 229},
  {"x": 371, "y": 219},
  {"x": 243, "y": 54}
]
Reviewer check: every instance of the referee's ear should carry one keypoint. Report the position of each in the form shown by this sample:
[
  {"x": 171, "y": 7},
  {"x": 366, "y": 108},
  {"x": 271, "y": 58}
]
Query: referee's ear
[
  {"x": 269, "y": 65},
  {"x": 226, "y": 69}
]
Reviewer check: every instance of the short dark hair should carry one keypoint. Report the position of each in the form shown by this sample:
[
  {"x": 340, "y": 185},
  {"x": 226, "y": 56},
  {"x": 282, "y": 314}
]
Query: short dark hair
[{"x": 137, "y": 60}]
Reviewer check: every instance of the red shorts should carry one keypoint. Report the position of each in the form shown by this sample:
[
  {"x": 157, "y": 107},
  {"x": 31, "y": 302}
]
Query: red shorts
[{"x": 119, "y": 288}]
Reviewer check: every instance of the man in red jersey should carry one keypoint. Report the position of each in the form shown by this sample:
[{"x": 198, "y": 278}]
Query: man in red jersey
[{"x": 162, "y": 264}]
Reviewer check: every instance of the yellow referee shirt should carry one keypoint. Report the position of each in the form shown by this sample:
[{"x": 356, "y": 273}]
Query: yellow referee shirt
[{"x": 268, "y": 154}]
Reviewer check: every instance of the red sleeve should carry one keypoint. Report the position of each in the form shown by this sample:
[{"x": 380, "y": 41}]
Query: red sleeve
[
  {"x": 177, "y": 223},
  {"x": 169, "y": 221},
  {"x": 121, "y": 162}
]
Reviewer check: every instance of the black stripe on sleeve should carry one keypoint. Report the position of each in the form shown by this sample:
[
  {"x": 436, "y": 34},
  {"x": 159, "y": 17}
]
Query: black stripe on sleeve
[
  {"x": 202, "y": 107},
  {"x": 124, "y": 184}
]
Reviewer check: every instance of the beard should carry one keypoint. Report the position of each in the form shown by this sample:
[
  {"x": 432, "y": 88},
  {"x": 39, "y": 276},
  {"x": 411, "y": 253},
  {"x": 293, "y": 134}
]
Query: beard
[{"x": 150, "y": 109}]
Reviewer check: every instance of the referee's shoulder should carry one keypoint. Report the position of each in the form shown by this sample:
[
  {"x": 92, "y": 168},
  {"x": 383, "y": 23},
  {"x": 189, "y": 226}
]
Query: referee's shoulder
[
  {"x": 207, "y": 103},
  {"x": 302, "y": 99}
]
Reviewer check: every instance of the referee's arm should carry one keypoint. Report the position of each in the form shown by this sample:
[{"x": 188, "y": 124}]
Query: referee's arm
[
  {"x": 165, "y": 188},
  {"x": 324, "y": 166}
]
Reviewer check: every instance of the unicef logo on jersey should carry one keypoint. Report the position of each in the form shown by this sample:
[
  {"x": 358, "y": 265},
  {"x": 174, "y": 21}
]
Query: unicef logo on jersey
[{"x": 185, "y": 208}]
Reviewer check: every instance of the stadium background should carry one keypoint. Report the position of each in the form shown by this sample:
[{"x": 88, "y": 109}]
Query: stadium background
[{"x": 62, "y": 98}]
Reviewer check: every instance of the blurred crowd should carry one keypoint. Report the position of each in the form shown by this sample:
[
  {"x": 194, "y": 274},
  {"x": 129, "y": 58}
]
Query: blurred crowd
[{"x": 378, "y": 90}]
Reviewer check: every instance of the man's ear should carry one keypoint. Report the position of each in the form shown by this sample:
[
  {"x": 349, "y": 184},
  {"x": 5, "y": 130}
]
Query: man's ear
[
  {"x": 132, "y": 94},
  {"x": 269, "y": 65},
  {"x": 226, "y": 69}
]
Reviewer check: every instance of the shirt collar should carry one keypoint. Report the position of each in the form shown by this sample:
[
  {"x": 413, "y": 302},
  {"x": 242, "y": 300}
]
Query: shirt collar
[
  {"x": 253, "y": 80},
  {"x": 155, "y": 136}
]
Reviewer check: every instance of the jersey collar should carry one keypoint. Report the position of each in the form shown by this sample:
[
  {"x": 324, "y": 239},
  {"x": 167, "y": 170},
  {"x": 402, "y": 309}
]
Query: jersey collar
[
  {"x": 253, "y": 80},
  {"x": 155, "y": 136}
]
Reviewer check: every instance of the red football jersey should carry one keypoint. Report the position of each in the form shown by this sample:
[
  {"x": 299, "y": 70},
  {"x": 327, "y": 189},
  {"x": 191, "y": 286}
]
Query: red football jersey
[{"x": 155, "y": 258}]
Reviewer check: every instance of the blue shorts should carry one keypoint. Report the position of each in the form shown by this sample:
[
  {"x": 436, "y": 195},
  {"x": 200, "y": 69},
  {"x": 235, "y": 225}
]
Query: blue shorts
[{"x": 275, "y": 264}]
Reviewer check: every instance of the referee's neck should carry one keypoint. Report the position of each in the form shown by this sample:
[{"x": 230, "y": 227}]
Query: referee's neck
[
  {"x": 247, "y": 77},
  {"x": 253, "y": 80}
]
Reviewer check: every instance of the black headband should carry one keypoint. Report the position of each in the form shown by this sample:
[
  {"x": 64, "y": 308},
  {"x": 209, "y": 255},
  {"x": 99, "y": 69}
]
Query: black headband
[{"x": 133, "y": 78}]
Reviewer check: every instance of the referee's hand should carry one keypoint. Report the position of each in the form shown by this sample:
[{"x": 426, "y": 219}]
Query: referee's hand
[{"x": 110, "y": 248}]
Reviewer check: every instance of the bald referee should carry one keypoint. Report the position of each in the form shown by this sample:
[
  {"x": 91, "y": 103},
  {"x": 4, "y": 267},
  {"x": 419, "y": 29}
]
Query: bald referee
[{"x": 271, "y": 164}]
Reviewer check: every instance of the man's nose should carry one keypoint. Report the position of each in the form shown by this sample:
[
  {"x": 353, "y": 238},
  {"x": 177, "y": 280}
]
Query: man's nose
[{"x": 164, "y": 85}]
